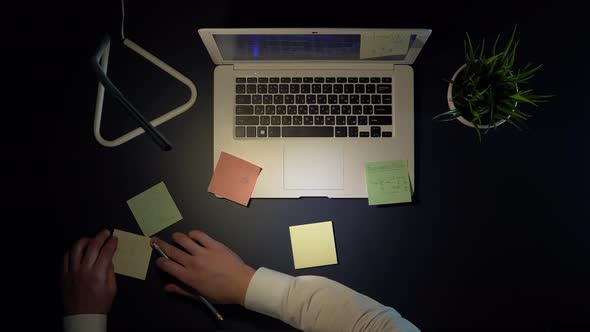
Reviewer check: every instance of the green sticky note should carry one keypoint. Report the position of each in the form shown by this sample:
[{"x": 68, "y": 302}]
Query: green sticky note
[
  {"x": 388, "y": 182},
  {"x": 154, "y": 209}
]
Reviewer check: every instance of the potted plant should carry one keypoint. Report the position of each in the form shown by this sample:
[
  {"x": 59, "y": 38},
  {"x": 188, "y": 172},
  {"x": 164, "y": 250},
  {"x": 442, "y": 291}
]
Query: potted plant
[{"x": 488, "y": 90}]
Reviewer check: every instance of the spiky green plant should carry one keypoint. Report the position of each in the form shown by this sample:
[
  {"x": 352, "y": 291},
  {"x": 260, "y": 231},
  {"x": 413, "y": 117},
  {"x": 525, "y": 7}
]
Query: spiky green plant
[{"x": 489, "y": 89}]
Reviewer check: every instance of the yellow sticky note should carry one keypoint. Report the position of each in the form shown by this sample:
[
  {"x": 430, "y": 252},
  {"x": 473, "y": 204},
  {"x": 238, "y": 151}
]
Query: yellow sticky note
[
  {"x": 313, "y": 245},
  {"x": 132, "y": 256},
  {"x": 380, "y": 44}
]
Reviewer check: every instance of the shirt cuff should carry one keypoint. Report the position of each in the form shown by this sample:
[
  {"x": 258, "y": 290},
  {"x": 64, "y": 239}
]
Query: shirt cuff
[
  {"x": 86, "y": 323},
  {"x": 266, "y": 291}
]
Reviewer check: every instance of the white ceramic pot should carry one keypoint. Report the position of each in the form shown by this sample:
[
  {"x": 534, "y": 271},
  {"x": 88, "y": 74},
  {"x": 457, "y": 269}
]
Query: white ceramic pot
[{"x": 461, "y": 118}]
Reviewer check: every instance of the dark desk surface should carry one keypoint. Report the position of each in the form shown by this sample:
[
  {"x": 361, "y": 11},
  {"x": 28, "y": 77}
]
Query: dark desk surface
[{"x": 498, "y": 232}]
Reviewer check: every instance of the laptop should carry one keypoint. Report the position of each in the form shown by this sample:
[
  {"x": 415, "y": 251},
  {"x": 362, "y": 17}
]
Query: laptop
[{"x": 311, "y": 106}]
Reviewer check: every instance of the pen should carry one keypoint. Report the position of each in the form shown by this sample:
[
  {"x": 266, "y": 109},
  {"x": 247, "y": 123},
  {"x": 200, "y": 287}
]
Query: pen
[{"x": 203, "y": 300}]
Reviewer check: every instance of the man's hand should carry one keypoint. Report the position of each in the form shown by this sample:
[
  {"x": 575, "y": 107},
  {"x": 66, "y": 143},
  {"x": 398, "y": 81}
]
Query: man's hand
[
  {"x": 88, "y": 278},
  {"x": 207, "y": 266}
]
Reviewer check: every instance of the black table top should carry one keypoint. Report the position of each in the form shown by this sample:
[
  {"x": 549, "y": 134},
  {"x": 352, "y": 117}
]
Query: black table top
[{"x": 497, "y": 235}]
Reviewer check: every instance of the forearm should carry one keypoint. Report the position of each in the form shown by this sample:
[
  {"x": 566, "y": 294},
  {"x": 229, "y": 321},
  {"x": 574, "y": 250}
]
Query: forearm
[{"x": 312, "y": 303}]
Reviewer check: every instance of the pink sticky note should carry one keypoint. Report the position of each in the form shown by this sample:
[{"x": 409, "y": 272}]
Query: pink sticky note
[{"x": 234, "y": 179}]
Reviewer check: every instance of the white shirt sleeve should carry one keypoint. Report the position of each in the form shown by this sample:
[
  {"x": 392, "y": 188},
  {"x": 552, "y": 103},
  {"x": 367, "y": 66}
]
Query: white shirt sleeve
[
  {"x": 85, "y": 323},
  {"x": 313, "y": 303}
]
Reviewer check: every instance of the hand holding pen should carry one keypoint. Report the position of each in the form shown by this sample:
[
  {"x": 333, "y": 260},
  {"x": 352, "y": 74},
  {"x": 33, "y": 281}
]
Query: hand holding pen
[{"x": 207, "y": 266}]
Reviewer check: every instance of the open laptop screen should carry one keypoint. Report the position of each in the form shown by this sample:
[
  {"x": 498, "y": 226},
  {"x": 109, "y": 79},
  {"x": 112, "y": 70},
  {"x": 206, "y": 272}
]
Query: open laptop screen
[{"x": 327, "y": 47}]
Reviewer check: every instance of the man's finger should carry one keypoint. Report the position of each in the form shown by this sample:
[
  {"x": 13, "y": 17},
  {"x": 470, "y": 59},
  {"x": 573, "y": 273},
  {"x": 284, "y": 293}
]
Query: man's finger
[
  {"x": 174, "y": 253},
  {"x": 111, "y": 281},
  {"x": 186, "y": 242},
  {"x": 105, "y": 258},
  {"x": 172, "y": 288},
  {"x": 172, "y": 268},
  {"x": 76, "y": 254},
  {"x": 203, "y": 239},
  {"x": 94, "y": 248}
]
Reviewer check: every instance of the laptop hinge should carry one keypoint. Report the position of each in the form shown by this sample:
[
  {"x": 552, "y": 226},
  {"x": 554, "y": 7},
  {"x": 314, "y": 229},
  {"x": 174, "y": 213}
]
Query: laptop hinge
[{"x": 314, "y": 66}]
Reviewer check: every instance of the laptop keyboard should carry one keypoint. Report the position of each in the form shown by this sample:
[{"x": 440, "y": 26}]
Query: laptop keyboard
[{"x": 270, "y": 107}]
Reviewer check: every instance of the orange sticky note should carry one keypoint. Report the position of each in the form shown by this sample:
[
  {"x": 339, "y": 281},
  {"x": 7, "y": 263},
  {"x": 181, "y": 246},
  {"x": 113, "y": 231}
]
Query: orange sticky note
[{"x": 234, "y": 179}]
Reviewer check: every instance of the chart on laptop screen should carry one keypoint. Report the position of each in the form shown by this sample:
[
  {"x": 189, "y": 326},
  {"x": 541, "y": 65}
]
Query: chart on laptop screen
[{"x": 293, "y": 47}]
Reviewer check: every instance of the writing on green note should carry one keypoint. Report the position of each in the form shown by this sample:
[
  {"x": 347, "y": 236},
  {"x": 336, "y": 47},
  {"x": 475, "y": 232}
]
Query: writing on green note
[{"x": 388, "y": 182}]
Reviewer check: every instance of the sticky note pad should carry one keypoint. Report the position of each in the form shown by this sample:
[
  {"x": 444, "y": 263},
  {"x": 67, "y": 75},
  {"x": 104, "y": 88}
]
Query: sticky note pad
[
  {"x": 388, "y": 182},
  {"x": 380, "y": 44},
  {"x": 234, "y": 179},
  {"x": 132, "y": 256},
  {"x": 154, "y": 209},
  {"x": 313, "y": 245}
]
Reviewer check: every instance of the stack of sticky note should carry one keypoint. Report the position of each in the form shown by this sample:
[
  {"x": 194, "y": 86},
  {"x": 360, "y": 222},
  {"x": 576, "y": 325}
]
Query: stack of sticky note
[
  {"x": 388, "y": 182},
  {"x": 234, "y": 179}
]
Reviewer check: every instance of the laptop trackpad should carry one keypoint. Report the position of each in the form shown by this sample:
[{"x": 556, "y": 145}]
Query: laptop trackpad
[{"x": 313, "y": 165}]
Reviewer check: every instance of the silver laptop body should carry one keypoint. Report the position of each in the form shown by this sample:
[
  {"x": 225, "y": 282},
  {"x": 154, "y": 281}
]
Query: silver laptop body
[{"x": 311, "y": 106}]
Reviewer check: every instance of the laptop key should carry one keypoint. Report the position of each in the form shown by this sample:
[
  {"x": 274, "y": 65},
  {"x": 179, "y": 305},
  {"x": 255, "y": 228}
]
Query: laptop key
[
  {"x": 357, "y": 109},
  {"x": 291, "y": 109},
  {"x": 332, "y": 99},
  {"x": 313, "y": 109},
  {"x": 376, "y": 99},
  {"x": 324, "y": 109},
  {"x": 364, "y": 80},
  {"x": 273, "y": 88},
  {"x": 370, "y": 88},
  {"x": 362, "y": 120},
  {"x": 308, "y": 120},
  {"x": 286, "y": 120},
  {"x": 338, "y": 88},
  {"x": 270, "y": 109},
  {"x": 346, "y": 109},
  {"x": 308, "y": 131},
  {"x": 240, "y": 80},
  {"x": 294, "y": 88},
  {"x": 278, "y": 99},
  {"x": 382, "y": 109},
  {"x": 351, "y": 120},
  {"x": 321, "y": 99},
  {"x": 353, "y": 80},
  {"x": 275, "y": 120},
  {"x": 240, "y": 88},
  {"x": 380, "y": 120},
  {"x": 289, "y": 99},
  {"x": 330, "y": 120},
  {"x": 251, "y": 88},
  {"x": 375, "y": 131},
  {"x": 365, "y": 99},
  {"x": 368, "y": 109},
  {"x": 251, "y": 131},
  {"x": 310, "y": 99},
  {"x": 318, "y": 80},
  {"x": 305, "y": 88},
  {"x": 384, "y": 88},
  {"x": 359, "y": 88},
  {"x": 267, "y": 99},
  {"x": 300, "y": 99},
  {"x": 283, "y": 88},
  {"x": 353, "y": 131},
  {"x": 251, "y": 80},
  {"x": 364, "y": 134},
  {"x": 302, "y": 109},
  {"x": 341, "y": 120},
  {"x": 318, "y": 120},
  {"x": 246, "y": 120},
  {"x": 341, "y": 132},
  {"x": 263, "y": 80},
  {"x": 243, "y": 99},
  {"x": 244, "y": 109},
  {"x": 341, "y": 79},
  {"x": 386, "y": 133},
  {"x": 296, "y": 80},
  {"x": 285, "y": 79},
  {"x": 308, "y": 80},
  {"x": 386, "y": 79},
  {"x": 259, "y": 109},
  {"x": 256, "y": 99},
  {"x": 240, "y": 131},
  {"x": 327, "y": 88},
  {"x": 274, "y": 80},
  {"x": 335, "y": 109},
  {"x": 386, "y": 99},
  {"x": 262, "y": 88},
  {"x": 274, "y": 131},
  {"x": 348, "y": 88},
  {"x": 342, "y": 99},
  {"x": 281, "y": 109},
  {"x": 265, "y": 120},
  {"x": 375, "y": 80},
  {"x": 262, "y": 131},
  {"x": 297, "y": 120},
  {"x": 330, "y": 79},
  {"x": 354, "y": 99},
  {"x": 316, "y": 88}
]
